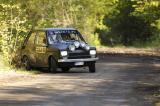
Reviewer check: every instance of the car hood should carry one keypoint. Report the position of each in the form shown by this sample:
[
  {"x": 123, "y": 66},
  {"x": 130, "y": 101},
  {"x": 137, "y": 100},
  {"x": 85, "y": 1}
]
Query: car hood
[{"x": 64, "y": 45}]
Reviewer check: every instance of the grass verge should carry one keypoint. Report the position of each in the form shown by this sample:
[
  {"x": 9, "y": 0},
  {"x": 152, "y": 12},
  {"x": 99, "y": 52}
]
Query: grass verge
[{"x": 6, "y": 67}]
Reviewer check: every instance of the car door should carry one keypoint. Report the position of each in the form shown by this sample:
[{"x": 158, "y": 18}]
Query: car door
[
  {"x": 30, "y": 49},
  {"x": 41, "y": 46}
]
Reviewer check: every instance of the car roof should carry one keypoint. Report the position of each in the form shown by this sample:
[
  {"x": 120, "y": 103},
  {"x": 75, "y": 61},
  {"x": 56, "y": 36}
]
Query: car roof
[{"x": 56, "y": 29}]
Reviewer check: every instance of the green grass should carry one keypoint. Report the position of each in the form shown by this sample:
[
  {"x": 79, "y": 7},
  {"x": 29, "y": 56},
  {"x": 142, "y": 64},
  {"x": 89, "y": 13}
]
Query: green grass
[{"x": 4, "y": 66}]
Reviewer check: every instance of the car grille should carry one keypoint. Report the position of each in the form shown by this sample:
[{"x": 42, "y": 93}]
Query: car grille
[{"x": 78, "y": 54}]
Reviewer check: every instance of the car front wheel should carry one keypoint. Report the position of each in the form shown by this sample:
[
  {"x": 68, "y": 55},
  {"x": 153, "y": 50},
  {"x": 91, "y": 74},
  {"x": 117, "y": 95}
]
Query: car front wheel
[
  {"x": 52, "y": 65},
  {"x": 92, "y": 68}
]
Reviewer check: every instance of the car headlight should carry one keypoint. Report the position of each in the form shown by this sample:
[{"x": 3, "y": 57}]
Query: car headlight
[
  {"x": 72, "y": 48},
  {"x": 92, "y": 52},
  {"x": 64, "y": 53}
]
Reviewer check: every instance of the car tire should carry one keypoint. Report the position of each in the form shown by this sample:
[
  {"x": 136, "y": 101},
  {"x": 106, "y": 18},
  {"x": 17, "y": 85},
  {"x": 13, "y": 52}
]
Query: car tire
[
  {"x": 26, "y": 63},
  {"x": 52, "y": 65},
  {"x": 65, "y": 69},
  {"x": 92, "y": 68}
]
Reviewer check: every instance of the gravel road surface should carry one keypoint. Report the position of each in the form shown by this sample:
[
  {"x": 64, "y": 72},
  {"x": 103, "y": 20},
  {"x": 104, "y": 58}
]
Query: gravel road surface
[{"x": 119, "y": 81}]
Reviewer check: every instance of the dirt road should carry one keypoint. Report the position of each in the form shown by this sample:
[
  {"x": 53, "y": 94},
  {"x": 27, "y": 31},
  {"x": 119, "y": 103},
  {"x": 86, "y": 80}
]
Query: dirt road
[{"x": 119, "y": 81}]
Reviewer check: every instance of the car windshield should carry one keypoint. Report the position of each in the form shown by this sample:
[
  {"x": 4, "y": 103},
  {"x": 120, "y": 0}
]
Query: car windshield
[{"x": 64, "y": 35}]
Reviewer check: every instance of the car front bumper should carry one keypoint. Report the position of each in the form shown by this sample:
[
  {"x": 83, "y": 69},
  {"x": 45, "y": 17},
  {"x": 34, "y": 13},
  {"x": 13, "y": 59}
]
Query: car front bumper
[{"x": 78, "y": 60}]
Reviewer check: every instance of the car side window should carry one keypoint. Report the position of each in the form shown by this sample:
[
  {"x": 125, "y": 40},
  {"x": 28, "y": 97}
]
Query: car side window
[
  {"x": 32, "y": 38},
  {"x": 41, "y": 38}
]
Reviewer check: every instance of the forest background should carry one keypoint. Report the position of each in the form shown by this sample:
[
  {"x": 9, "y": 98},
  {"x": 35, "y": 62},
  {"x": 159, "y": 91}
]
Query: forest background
[{"x": 111, "y": 23}]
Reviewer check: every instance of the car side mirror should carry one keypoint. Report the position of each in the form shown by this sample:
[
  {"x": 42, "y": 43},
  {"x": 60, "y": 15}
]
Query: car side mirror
[{"x": 44, "y": 40}]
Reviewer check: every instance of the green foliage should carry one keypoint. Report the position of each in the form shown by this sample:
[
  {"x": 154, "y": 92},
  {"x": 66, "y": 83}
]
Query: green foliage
[
  {"x": 131, "y": 22},
  {"x": 149, "y": 12},
  {"x": 0, "y": 43},
  {"x": 12, "y": 26}
]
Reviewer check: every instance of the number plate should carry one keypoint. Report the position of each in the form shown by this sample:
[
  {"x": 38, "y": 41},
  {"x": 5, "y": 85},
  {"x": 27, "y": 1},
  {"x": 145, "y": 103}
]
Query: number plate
[{"x": 79, "y": 63}]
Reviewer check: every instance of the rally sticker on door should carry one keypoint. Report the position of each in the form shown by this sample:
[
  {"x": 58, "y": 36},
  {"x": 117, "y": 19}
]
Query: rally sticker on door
[{"x": 40, "y": 49}]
